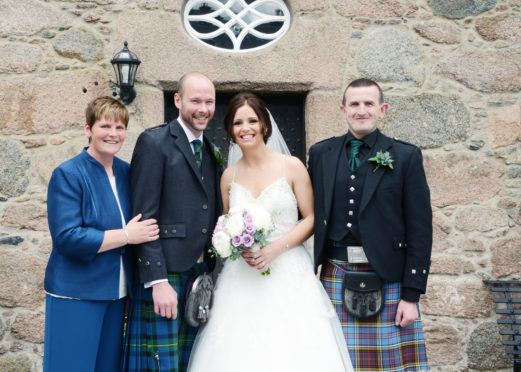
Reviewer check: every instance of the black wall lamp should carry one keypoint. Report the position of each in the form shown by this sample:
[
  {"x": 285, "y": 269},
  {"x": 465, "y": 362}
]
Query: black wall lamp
[{"x": 125, "y": 65}]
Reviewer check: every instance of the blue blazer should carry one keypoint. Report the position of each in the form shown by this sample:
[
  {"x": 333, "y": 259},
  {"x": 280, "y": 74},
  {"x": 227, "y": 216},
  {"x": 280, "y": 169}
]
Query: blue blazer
[{"x": 80, "y": 208}]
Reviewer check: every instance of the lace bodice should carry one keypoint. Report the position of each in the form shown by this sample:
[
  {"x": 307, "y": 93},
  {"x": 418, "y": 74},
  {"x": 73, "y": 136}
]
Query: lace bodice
[{"x": 277, "y": 198}]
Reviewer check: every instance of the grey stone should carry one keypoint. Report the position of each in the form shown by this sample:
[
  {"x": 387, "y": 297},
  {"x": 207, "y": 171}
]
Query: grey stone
[
  {"x": 11, "y": 240},
  {"x": 48, "y": 34},
  {"x": 80, "y": 44},
  {"x": 356, "y": 35},
  {"x": 2, "y": 329},
  {"x": 485, "y": 350},
  {"x": 13, "y": 169},
  {"x": 499, "y": 70},
  {"x": 427, "y": 120},
  {"x": 456, "y": 9},
  {"x": 513, "y": 172},
  {"x": 400, "y": 61},
  {"x": 18, "y": 363}
]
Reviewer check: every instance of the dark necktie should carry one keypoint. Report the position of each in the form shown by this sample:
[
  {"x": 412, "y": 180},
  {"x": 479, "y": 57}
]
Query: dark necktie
[
  {"x": 197, "y": 152},
  {"x": 354, "y": 162}
]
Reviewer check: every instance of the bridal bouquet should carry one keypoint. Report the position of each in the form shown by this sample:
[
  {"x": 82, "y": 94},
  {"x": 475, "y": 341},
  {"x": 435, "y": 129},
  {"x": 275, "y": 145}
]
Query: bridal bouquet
[{"x": 240, "y": 229}]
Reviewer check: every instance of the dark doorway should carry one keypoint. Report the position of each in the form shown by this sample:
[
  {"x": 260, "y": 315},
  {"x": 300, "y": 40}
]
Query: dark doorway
[{"x": 287, "y": 109}]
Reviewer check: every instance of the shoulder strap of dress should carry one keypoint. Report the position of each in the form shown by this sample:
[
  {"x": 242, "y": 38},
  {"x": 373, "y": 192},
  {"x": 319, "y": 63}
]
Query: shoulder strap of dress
[{"x": 234, "y": 171}]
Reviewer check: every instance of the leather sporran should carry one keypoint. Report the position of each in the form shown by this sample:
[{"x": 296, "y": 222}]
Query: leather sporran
[
  {"x": 362, "y": 292},
  {"x": 199, "y": 293}
]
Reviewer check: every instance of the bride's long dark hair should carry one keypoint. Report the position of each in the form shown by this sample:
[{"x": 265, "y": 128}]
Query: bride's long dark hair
[{"x": 256, "y": 104}]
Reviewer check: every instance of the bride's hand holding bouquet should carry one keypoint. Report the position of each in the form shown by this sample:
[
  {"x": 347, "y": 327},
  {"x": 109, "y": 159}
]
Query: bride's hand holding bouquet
[{"x": 243, "y": 229}]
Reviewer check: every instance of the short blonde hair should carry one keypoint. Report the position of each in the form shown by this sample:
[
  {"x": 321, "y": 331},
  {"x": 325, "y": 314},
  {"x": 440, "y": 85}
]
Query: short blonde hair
[{"x": 107, "y": 107}]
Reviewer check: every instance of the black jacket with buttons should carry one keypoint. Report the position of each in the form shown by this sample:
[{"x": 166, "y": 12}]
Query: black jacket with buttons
[
  {"x": 186, "y": 201},
  {"x": 395, "y": 215}
]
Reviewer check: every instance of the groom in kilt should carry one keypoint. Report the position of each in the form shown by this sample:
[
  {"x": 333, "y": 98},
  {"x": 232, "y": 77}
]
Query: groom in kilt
[
  {"x": 373, "y": 214},
  {"x": 175, "y": 177}
]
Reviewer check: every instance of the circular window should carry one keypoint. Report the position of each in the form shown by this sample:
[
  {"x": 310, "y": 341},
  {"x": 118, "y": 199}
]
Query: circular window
[{"x": 237, "y": 25}]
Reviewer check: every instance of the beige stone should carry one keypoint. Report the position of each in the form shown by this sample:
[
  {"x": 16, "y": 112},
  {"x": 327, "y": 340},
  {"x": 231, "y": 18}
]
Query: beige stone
[
  {"x": 16, "y": 363},
  {"x": 148, "y": 4},
  {"x": 150, "y": 107},
  {"x": 45, "y": 246},
  {"x": 29, "y": 17},
  {"x": 19, "y": 58},
  {"x": 437, "y": 337},
  {"x": 370, "y": 8},
  {"x": 499, "y": 70},
  {"x": 21, "y": 276},
  {"x": 500, "y": 27},
  {"x": 441, "y": 227},
  {"x": 309, "y": 5},
  {"x": 25, "y": 216},
  {"x": 29, "y": 327},
  {"x": 515, "y": 3},
  {"x": 439, "y": 32},
  {"x": 457, "y": 297},
  {"x": 477, "y": 218},
  {"x": 461, "y": 177},
  {"x": 30, "y": 143},
  {"x": 450, "y": 265},
  {"x": 323, "y": 117},
  {"x": 30, "y": 104},
  {"x": 504, "y": 126},
  {"x": 506, "y": 257},
  {"x": 49, "y": 158},
  {"x": 158, "y": 37},
  {"x": 173, "y": 5},
  {"x": 471, "y": 245}
]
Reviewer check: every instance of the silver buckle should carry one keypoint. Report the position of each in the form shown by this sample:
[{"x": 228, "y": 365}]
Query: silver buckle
[{"x": 356, "y": 254}]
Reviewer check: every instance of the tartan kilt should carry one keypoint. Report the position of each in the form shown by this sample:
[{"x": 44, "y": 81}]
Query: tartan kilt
[
  {"x": 154, "y": 343},
  {"x": 376, "y": 343}
]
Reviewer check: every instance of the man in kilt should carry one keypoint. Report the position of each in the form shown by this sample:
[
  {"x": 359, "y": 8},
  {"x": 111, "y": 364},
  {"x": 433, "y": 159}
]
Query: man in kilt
[
  {"x": 175, "y": 177},
  {"x": 373, "y": 214}
]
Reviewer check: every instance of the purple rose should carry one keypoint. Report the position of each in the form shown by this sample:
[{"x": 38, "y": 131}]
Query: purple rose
[
  {"x": 247, "y": 240},
  {"x": 248, "y": 219},
  {"x": 236, "y": 240},
  {"x": 250, "y": 229}
]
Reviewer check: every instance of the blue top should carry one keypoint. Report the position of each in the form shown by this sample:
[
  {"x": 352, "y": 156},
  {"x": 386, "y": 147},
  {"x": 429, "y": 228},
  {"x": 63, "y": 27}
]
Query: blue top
[{"x": 81, "y": 206}]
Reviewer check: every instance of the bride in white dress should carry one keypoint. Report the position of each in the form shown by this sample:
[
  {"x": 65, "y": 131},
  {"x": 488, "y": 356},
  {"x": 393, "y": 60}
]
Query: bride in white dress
[{"x": 283, "y": 321}]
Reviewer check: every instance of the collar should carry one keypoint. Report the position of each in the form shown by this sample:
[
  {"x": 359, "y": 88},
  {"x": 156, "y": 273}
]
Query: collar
[
  {"x": 189, "y": 133},
  {"x": 369, "y": 140}
]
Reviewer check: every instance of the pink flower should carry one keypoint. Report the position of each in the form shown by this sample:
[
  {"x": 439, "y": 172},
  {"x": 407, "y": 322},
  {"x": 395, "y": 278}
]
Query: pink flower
[
  {"x": 250, "y": 229},
  {"x": 248, "y": 219},
  {"x": 247, "y": 240},
  {"x": 236, "y": 240}
]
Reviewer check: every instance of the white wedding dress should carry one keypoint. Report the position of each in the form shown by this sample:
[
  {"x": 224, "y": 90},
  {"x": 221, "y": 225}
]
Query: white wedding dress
[{"x": 279, "y": 322}]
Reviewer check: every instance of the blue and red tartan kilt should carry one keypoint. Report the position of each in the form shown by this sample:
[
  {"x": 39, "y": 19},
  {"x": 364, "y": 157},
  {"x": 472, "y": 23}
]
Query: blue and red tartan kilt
[
  {"x": 154, "y": 343},
  {"x": 376, "y": 343}
]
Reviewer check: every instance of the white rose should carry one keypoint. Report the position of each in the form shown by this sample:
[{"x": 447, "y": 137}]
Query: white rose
[
  {"x": 222, "y": 244},
  {"x": 235, "y": 224},
  {"x": 261, "y": 218}
]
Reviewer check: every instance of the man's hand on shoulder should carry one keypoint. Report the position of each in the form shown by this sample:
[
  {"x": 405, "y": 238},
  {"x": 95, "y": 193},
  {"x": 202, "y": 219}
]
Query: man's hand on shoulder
[
  {"x": 406, "y": 313},
  {"x": 165, "y": 300}
]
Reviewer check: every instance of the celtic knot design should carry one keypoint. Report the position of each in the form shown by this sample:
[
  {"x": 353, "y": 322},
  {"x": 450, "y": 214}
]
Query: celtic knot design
[{"x": 237, "y": 25}]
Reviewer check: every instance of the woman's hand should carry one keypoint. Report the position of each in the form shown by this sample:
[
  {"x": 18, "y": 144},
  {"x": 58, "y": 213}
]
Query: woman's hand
[
  {"x": 142, "y": 231},
  {"x": 262, "y": 258}
]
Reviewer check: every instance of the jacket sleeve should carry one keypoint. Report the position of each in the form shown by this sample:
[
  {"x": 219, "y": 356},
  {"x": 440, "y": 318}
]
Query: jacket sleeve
[
  {"x": 418, "y": 222},
  {"x": 65, "y": 216},
  {"x": 146, "y": 178}
]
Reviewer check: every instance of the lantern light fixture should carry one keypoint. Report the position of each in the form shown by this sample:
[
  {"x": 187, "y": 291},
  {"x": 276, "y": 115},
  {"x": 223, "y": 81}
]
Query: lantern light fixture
[{"x": 125, "y": 65}]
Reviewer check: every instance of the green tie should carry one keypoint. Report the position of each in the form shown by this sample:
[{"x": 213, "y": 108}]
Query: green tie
[
  {"x": 354, "y": 162},
  {"x": 197, "y": 152}
]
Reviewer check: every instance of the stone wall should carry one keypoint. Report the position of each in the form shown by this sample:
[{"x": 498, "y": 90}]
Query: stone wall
[{"x": 450, "y": 70}]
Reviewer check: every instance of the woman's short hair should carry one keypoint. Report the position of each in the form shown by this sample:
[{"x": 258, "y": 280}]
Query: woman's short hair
[
  {"x": 107, "y": 107},
  {"x": 256, "y": 104}
]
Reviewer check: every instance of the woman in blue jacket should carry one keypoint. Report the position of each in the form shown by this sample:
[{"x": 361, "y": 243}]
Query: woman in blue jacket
[{"x": 89, "y": 272}]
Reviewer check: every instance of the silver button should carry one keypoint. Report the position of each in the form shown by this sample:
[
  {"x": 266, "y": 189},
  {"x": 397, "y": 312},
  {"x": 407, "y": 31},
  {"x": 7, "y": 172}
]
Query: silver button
[
  {"x": 147, "y": 263},
  {"x": 350, "y": 213},
  {"x": 174, "y": 231},
  {"x": 351, "y": 189},
  {"x": 413, "y": 271},
  {"x": 351, "y": 201},
  {"x": 139, "y": 260},
  {"x": 400, "y": 245},
  {"x": 349, "y": 224},
  {"x": 158, "y": 263},
  {"x": 165, "y": 231},
  {"x": 205, "y": 207},
  {"x": 424, "y": 271},
  {"x": 353, "y": 177},
  {"x": 325, "y": 222},
  {"x": 204, "y": 231}
]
